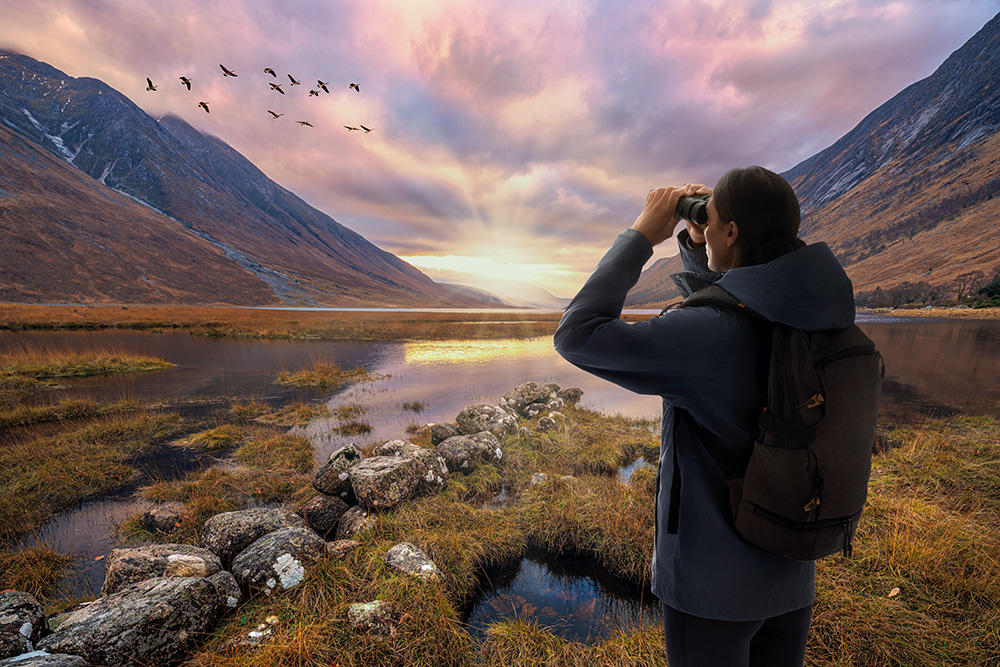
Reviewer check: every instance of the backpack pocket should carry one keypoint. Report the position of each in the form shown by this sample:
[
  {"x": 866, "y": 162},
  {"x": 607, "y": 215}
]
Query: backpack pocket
[{"x": 784, "y": 482}]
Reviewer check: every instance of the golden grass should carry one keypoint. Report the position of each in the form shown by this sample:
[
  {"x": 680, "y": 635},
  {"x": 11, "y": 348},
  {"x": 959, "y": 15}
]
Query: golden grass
[
  {"x": 53, "y": 364},
  {"x": 963, "y": 313},
  {"x": 323, "y": 374},
  {"x": 37, "y": 571}
]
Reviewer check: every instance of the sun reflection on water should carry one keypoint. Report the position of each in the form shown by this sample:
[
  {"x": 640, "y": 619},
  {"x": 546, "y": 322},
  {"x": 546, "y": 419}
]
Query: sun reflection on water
[{"x": 476, "y": 351}]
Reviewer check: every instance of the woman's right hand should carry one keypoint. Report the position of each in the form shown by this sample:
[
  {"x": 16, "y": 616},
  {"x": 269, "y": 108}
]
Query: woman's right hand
[{"x": 697, "y": 232}]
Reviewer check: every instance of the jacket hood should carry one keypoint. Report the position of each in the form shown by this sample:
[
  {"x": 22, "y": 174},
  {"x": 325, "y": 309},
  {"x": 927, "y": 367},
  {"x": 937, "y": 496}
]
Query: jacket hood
[{"x": 806, "y": 289}]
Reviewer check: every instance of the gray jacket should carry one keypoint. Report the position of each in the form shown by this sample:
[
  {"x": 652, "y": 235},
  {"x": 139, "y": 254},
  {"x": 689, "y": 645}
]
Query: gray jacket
[{"x": 709, "y": 365}]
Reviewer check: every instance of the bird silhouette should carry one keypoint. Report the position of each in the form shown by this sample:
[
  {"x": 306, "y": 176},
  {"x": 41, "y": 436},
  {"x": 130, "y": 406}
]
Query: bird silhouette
[
  {"x": 351, "y": 129},
  {"x": 367, "y": 129},
  {"x": 355, "y": 87},
  {"x": 186, "y": 81},
  {"x": 277, "y": 86},
  {"x": 204, "y": 105},
  {"x": 304, "y": 122},
  {"x": 292, "y": 79},
  {"x": 226, "y": 72},
  {"x": 313, "y": 93},
  {"x": 276, "y": 115},
  {"x": 149, "y": 84},
  {"x": 268, "y": 70},
  {"x": 322, "y": 85}
]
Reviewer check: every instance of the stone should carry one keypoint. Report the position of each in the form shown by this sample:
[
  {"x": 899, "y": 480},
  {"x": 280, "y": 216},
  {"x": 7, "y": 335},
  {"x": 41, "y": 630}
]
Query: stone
[
  {"x": 433, "y": 468},
  {"x": 441, "y": 432},
  {"x": 572, "y": 395},
  {"x": 164, "y": 519},
  {"x": 333, "y": 478},
  {"x": 377, "y": 617},
  {"x": 476, "y": 418},
  {"x": 408, "y": 559},
  {"x": 151, "y": 622},
  {"x": 535, "y": 409},
  {"x": 556, "y": 404},
  {"x": 537, "y": 480},
  {"x": 553, "y": 389},
  {"x": 323, "y": 512},
  {"x": 127, "y": 566},
  {"x": 463, "y": 453},
  {"x": 383, "y": 482},
  {"x": 546, "y": 424},
  {"x": 43, "y": 659},
  {"x": 21, "y": 622},
  {"x": 229, "y": 591},
  {"x": 489, "y": 445},
  {"x": 229, "y": 533},
  {"x": 525, "y": 394},
  {"x": 338, "y": 549},
  {"x": 355, "y": 520},
  {"x": 277, "y": 561}
]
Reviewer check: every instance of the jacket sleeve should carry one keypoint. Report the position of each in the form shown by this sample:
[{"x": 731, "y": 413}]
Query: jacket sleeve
[{"x": 664, "y": 355}]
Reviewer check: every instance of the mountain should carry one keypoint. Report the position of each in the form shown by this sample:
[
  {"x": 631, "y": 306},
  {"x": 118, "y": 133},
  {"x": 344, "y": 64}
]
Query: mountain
[
  {"x": 909, "y": 194},
  {"x": 207, "y": 207}
]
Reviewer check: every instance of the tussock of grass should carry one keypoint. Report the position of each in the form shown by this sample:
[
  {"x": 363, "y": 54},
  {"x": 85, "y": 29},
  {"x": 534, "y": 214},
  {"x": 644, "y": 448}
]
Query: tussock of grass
[
  {"x": 522, "y": 643},
  {"x": 215, "y": 439},
  {"x": 65, "y": 410},
  {"x": 323, "y": 375},
  {"x": 51, "y": 364},
  {"x": 248, "y": 409},
  {"x": 37, "y": 571},
  {"x": 295, "y": 413}
]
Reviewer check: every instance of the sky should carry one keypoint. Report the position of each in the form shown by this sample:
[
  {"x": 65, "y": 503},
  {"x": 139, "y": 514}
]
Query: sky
[{"x": 511, "y": 140}]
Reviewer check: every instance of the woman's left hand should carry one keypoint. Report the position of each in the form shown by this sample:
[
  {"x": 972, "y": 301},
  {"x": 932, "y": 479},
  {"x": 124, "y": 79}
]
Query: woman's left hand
[{"x": 659, "y": 217}]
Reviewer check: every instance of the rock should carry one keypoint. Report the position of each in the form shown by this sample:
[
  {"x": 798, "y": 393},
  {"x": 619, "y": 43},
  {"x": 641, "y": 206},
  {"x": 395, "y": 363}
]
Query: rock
[
  {"x": 476, "y": 418},
  {"x": 382, "y": 482},
  {"x": 568, "y": 479},
  {"x": 278, "y": 560},
  {"x": 127, "y": 566},
  {"x": 535, "y": 409},
  {"x": 408, "y": 559},
  {"x": 546, "y": 424},
  {"x": 355, "y": 520},
  {"x": 150, "y": 622},
  {"x": 21, "y": 622},
  {"x": 572, "y": 395},
  {"x": 229, "y": 533},
  {"x": 433, "y": 468},
  {"x": 552, "y": 388},
  {"x": 377, "y": 617},
  {"x": 523, "y": 395},
  {"x": 339, "y": 549},
  {"x": 323, "y": 512},
  {"x": 463, "y": 453},
  {"x": 255, "y": 638},
  {"x": 556, "y": 404},
  {"x": 537, "y": 480},
  {"x": 164, "y": 519},
  {"x": 227, "y": 588},
  {"x": 441, "y": 432},
  {"x": 43, "y": 659},
  {"x": 333, "y": 478}
]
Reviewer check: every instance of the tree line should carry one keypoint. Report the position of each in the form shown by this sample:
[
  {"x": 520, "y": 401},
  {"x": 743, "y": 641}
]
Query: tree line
[{"x": 976, "y": 289}]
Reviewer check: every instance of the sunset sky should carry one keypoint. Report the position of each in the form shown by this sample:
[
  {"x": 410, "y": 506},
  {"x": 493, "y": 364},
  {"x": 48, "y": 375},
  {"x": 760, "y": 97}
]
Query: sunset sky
[{"x": 512, "y": 139}]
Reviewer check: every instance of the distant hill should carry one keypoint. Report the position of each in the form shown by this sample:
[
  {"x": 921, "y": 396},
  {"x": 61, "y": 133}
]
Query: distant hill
[
  {"x": 211, "y": 215},
  {"x": 909, "y": 195}
]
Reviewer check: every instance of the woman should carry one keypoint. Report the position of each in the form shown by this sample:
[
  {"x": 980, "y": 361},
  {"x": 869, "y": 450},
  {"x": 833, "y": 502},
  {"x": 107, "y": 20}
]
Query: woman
[{"x": 725, "y": 601}]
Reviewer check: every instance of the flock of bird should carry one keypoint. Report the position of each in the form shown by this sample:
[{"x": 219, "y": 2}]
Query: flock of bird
[{"x": 322, "y": 85}]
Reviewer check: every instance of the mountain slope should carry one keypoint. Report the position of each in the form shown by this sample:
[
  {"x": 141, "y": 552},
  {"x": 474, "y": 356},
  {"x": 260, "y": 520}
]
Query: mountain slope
[{"x": 214, "y": 194}]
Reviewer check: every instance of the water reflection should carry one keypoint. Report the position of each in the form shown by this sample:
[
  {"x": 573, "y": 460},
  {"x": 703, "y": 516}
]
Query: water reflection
[
  {"x": 625, "y": 472},
  {"x": 476, "y": 352}
]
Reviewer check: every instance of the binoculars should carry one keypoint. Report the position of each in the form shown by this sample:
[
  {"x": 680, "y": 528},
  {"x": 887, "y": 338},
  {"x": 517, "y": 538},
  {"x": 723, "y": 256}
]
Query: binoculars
[{"x": 693, "y": 208}]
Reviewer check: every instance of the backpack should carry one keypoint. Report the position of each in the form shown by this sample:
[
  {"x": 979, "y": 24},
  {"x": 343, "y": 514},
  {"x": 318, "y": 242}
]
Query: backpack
[{"x": 802, "y": 491}]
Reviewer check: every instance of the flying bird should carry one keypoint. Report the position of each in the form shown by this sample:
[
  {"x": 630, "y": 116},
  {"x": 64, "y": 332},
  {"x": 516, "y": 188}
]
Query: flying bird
[
  {"x": 304, "y": 122},
  {"x": 186, "y": 81},
  {"x": 276, "y": 115},
  {"x": 226, "y": 72},
  {"x": 355, "y": 87},
  {"x": 351, "y": 129},
  {"x": 367, "y": 129},
  {"x": 323, "y": 86},
  {"x": 149, "y": 84},
  {"x": 294, "y": 82},
  {"x": 204, "y": 105},
  {"x": 268, "y": 70},
  {"x": 313, "y": 93},
  {"x": 277, "y": 86}
]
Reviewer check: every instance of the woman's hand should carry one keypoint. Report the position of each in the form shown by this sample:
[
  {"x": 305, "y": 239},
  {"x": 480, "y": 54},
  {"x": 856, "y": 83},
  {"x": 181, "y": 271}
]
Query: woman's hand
[
  {"x": 697, "y": 232},
  {"x": 659, "y": 217}
]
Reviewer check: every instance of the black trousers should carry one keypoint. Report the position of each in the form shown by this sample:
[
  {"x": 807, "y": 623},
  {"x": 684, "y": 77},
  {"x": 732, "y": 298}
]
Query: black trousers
[{"x": 703, "y": 642}]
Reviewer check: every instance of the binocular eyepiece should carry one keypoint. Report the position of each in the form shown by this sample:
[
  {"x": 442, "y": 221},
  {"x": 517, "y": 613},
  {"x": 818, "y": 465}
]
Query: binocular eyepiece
[{"x": 693, "y": 208}]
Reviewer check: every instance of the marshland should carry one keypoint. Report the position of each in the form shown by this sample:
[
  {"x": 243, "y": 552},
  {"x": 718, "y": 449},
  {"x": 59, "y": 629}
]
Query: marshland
[{"x": 106, "y": 411}]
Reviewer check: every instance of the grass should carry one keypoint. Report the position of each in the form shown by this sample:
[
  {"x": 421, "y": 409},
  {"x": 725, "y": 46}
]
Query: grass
[
  {"x": 37, "y": 571},
  {"x": 323, "y": 374},
  {"x": 56, "y": 364}
]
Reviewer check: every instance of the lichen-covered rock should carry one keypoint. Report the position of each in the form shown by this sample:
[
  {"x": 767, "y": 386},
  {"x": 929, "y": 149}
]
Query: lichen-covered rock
[
  {"x": 546, "y": 424},
  {"x": 323, "y": 512},
  {"x": 556, "y": 404},
  {"x": 164, "y": 519},
  {"x": 537, "y": 480},
  {"x": 150, "y": 622},
  {"x": 525, "y": 394},
  {"x": 44, "y": 659},
  {"x": 333, "y": 478},
  {"x": 339, "y": 549},
  {"x": 227, "y": 588},
  {"x": 476, "y": 418},
  {"x": 229, "y": 533},
  {"x": 377, "y": 617},
  {"x": 127, "y": 566},
  {"x": 433, "y": 468},
  {"x": 21, "y": 621},
  {"x": 441, "y": 432},
  {"x": 383, "y": 482},
  {"x": 278, "y": 560},
  {"x": 355, "y": 520},
  {"x": 464, "y": 453},
  {"x": 406, "y": 558},
  {"x": 572, "y": 395},
  {"x": 534, "y": 409}
]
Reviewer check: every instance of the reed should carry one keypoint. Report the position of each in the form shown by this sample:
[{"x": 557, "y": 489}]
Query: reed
[{"x": 324, "y": 374}]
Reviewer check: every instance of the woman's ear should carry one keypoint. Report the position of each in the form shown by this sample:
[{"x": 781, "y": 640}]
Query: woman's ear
[{"x": 732, "y": 233}]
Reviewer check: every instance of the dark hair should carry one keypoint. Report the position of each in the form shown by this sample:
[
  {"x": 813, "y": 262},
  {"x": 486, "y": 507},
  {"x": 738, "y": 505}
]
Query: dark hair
[{"x": 765, "y": 208}]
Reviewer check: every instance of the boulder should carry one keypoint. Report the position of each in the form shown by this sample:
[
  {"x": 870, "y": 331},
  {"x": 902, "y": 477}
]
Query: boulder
[
  {"x": 433, "y": 468},
  {"x": 552, "y": 388},
  {"x": 339, "y": 549},
  {"x": 21, "y": 622},
  {"x": 556, "y": 404},
  {"x": 408, "y": 559},
  {"x": 150, "y": 622},
  {"x": 355, "y": 520},
  {"x": 278, "y": 560},
  {"x": 227, "y": 588},
  {"x": 537, "y": 480},
  {"x": 546, "y": 424},
  {"x": 534, "y": 409},
  {"x": 323, "y": 512},
  {"x": 43, "y": 659},
  {"x": 229, "y": 533},
  {"x": 476, "y": 418},
  {"x": 572, "y": 395},
  {"x": 383, "y": 482},
  {"x": 377, "y": 617},
  {"x": 464, "y": 453},
  {"x": 333, "y": 478},
  {"x": 441, "y": 432},
  {"x": 523, "y": 395},
  {"x": 127, "y": 566},
  {"x": 163, "y": 519}
]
